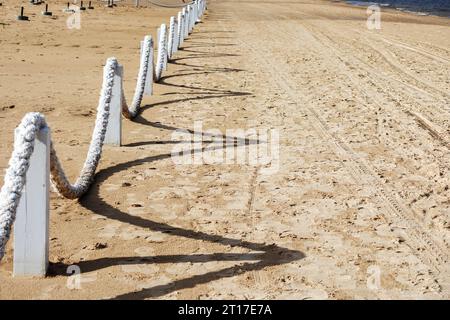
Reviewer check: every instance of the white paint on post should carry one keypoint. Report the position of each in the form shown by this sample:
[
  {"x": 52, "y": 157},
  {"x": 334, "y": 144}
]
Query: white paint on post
[
  {"x": 192, "y": 15},
  {"x": 180, "y": 31},
  {"x": 31, "y": 235},
  {"x": 186, "y": 24},
  {"x": 200, "y": 11},
  {"x": 158, "y": 35},
  {"x": 183, "y": 29},
  {"x": 176, "y": 39},
  {"x": 196, "y": 12},
  {"x": 171, "y": 41},
  {"x": 113, "y": 134},
  {"x": 189, "y": 11}
]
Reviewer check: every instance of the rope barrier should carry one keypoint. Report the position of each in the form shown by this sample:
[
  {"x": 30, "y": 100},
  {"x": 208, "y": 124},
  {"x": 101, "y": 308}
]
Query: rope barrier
[
  {"x": 15, "y": 178},
  {"x": 169, "y": 5}
]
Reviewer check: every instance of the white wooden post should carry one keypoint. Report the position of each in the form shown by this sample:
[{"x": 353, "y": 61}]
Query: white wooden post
[
  {"x": 192, "y": 18},
  {"x": 186, "y": 24},
  {"x": 166, "y": 52},
  {"x": 163, "y": 49},
  {"x": 189, "y": 20},
  {"x": 183, "y": 29},
  {"x": 171, "y": 42},
  {"x": 176, "y": 39},
  {"x": 113, "y": 134},
  {"x": 158, "y": 35},
  {"x": 31, "y": 235},
  {"x": 196, "y": 12},
  {"x": 179, "y": 31}
]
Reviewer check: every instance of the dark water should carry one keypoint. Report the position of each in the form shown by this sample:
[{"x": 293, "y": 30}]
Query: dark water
[{"x": 425, "y": 7}]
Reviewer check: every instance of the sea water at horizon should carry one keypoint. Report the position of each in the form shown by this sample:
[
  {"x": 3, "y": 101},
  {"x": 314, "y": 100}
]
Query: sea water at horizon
[{"x": 421, "y": 7}]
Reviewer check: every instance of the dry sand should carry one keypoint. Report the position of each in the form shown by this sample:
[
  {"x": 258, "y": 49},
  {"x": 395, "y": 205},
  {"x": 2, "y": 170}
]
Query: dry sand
[{"x": 363, "y": 185}]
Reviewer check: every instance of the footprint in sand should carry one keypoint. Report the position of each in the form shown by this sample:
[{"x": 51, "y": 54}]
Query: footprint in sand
[
  {"x": 135, "y": 208},
  {"x": 180, "y": 269},
  {"x": 109, "y": 187},
  {"x": 163, "y": 211},
  {"x": 143, "y": 269},
  {"x": 131, "y": 233},
  {"x": 46, "y": 292},
  {"x": 110, "y": 230},
  {"x": 156, "y": 237},
  {"x": 160, "y": 281},
  {"x": 145, "y": 251},
  {"x": 96, "y": 217}
]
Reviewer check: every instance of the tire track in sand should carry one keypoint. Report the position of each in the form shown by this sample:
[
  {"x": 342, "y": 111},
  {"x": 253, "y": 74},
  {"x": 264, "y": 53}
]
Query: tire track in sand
[{"x": 425, "y": 247}]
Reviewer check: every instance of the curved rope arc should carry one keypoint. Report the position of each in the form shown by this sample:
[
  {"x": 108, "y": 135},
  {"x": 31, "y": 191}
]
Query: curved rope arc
[
  {"x": 146, "y": 63},
  {"x": 87, "y": 173},
  {"x": 169, "y": 5}
]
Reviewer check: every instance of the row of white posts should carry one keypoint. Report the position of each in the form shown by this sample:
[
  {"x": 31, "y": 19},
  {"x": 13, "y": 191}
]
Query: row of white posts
[{"x": 31, "y": 227}]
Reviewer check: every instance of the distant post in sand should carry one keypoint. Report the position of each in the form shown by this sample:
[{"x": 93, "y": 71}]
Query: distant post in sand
[
  {"x": 22, "y": 17},
  {"x": 46, "y": 12}
]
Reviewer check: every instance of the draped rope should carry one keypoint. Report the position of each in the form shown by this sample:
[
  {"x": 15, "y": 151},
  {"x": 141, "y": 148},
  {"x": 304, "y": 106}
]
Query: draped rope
[
  {"x": 32, "y": 123},
  {"x": 162, "y": 53},
  {"x": 168, "y": 5},
  {"x": 146, "y": 63}
]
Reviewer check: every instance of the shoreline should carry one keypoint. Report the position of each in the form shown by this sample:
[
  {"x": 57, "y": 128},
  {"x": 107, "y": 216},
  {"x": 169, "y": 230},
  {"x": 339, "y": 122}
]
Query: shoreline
[{"x": 437, "y": 19}]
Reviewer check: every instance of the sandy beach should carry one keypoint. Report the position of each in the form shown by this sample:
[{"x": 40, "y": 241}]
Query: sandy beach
[{"x": 358, "y": 208}]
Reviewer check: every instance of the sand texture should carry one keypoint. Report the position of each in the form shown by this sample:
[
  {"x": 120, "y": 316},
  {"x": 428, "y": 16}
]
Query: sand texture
[{"x": 362, "y": 191}]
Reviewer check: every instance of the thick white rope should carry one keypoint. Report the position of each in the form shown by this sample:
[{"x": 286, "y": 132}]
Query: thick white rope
[
  {"x": 146, "y": 63},
  {"x": 168, "y": 5},
  {"x": 87, "y": 173},
  {"x": 162, "y": 53},
  {"x": 32, "y": 123}
]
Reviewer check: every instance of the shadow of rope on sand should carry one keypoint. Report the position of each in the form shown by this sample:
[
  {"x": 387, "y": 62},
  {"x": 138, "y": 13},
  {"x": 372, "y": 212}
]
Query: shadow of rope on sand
[
  {"x": 271, "y": 255},
  {"x": 266, "y": 255}
]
